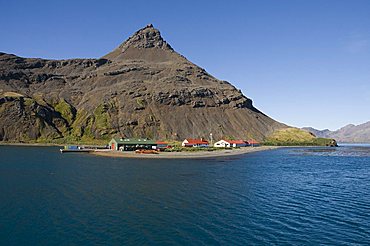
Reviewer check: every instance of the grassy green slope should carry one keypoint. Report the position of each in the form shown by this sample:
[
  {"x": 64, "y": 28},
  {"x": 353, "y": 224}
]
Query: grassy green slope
[{"x": 296, "y": 137}]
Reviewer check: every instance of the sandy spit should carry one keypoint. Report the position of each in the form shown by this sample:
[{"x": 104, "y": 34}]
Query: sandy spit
[{"x": 184, "y": 155}]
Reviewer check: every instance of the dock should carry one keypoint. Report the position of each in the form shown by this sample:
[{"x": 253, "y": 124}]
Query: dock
[
  {"x": 80, "y": 149},
  {"x": 75, "y": 150}
]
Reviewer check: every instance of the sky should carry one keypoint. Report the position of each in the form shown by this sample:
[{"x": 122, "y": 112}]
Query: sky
[{"x": 304, "y": 63}]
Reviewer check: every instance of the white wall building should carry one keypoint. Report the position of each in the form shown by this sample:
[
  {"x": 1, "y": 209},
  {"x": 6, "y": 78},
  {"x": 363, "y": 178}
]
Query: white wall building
[
  {"x": 230, "y": 143},
  {"x": 222, "y": 144}
]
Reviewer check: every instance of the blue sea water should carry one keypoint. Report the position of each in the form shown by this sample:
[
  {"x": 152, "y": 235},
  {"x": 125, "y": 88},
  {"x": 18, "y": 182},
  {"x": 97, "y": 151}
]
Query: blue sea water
[{"x": 289, "y": 196}]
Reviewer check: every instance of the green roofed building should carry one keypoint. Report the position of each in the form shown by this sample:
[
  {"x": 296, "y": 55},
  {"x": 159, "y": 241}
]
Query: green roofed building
[{"x": 131, "y": 144}]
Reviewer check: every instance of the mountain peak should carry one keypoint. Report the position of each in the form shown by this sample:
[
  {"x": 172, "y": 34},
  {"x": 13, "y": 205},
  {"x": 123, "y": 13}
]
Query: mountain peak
[{"x": 147, "y": 37}]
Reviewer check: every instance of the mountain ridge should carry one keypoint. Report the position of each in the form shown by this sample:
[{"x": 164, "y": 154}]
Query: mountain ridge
[{"x": 350, "y": 133}]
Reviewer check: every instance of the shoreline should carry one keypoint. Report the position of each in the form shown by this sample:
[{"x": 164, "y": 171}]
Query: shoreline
[
  {"x": 32, "y": 144},
  {"x": 185, "y": 155},
  {"x": 166, "y": 155}
]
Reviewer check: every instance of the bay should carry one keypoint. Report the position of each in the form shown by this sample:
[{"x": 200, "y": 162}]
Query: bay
[{"x": 288, "y": 196}]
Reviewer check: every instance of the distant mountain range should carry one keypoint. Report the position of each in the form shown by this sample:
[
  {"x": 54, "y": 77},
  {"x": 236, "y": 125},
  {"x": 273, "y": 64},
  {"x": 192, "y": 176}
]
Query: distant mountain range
[{"x": 350, "y": 133}]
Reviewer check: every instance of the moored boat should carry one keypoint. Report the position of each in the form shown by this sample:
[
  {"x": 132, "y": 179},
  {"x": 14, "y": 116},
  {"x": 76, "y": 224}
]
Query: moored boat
[{"x": 146, "y": 151}]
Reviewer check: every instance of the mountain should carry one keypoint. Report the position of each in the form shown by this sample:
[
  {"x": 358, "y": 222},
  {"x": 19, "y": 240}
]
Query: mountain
[
  {"x": 143, "y": 88},
  {"x": 350, "y": 133},
  {"x": 318, "y": 133}
]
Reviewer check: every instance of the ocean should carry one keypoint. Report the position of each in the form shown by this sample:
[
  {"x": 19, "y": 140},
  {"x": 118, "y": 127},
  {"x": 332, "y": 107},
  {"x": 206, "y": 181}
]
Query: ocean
[{"x": 287, "y": 196}]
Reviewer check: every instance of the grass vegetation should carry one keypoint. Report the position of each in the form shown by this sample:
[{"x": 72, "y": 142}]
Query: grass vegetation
[
  {"x": 296, "y": 137},
  {"x": 66, "y": 111},
  {"x": 61, "y": 141},
  {"x": 86, "y": 123}
]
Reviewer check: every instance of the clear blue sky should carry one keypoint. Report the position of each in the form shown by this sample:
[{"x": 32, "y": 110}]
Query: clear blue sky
[{"x": 303, "y": 62}]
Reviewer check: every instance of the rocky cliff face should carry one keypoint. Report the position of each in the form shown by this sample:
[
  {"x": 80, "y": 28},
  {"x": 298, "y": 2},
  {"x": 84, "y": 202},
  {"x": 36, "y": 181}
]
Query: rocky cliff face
[{"x": 141, "y": 89}]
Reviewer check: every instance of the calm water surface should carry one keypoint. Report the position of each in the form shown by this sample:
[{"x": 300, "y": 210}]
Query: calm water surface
[{"x": 297, "y": 196}]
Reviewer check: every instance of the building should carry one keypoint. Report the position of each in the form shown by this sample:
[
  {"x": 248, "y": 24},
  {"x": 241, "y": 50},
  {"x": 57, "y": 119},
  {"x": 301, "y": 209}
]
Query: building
[
  {"x": 195, "y": 143},
  {"x": 253, "y": 143},
  {"x": 230, "y": 144},
  {"x": 161, "y": 145},
  {"x": 222, "y": 144},
  {"x": 131, "y": 144}
]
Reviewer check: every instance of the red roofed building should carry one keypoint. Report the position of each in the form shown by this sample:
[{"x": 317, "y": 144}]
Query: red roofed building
[
  {"x": 253, "y": 143},
  {"x": 161, "y": 145},
  {"x": 195, "y": 143}
]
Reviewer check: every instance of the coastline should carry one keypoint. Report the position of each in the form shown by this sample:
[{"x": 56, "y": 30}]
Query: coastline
[
  {"x": 165, "y": 155},
  {"x": 31, "y": 144},
  {"x": 185, "y": 155}
]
